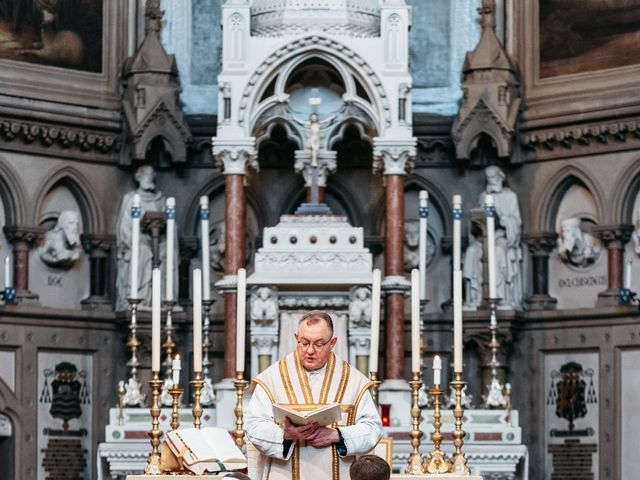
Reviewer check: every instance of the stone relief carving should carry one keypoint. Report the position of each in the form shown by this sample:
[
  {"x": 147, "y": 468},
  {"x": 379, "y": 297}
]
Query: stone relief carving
[
  {"x": 152, "y": 200},
  {"x": 62, "y": 247},
  {"x": 313, "y": 302},
  {"x": 360, "y": 306},
  {"x": 508, "y": 250},
  {"x": 576, "y": 246},
  {"x": 217, "y": 246},
  {"x": 264, "y": 305}
]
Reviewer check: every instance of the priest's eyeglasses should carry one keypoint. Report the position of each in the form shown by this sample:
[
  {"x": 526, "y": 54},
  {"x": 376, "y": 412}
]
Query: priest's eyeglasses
[{"x": 317, "y": 346}]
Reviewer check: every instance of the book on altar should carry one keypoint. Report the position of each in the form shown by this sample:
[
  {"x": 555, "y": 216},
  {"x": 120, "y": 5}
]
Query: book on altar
[
  {"x": 323, "y": 416},
  {"x": 203, "y": 450}
]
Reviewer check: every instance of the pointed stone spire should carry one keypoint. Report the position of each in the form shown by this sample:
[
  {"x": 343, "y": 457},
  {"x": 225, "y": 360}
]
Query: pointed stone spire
[
  {"x": 491, "y": 99},
  {"x": 151, "y": 96}
]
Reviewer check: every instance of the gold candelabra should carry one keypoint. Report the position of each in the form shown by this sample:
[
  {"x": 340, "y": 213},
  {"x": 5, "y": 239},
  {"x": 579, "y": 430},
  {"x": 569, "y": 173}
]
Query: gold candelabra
[
  {"x": 240, "y": 383},
  {"x": 376, "y": 385},
  {"x": 197, "y": 385},
  {"x": 153, "y": 463},
  {"x": 414, "y": 466},
  {"x": 437, "y": 461},
  {"x": 176, "y": 392},
  {"x": 132, "y": 342},
  {"x": 459, "y": 462}
]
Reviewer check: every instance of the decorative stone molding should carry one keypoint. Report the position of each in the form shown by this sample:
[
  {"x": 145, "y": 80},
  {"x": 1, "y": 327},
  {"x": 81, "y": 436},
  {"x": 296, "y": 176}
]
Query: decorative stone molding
[
  {"x": 295, "y": 48},
  {"x": 235, "y": 158},
  {"x": 96, "y": 244},
  {"x": 614, "y": 236},
  {"x": 541, "y": 244},
  {"x": 393, "y": 157},
  {"x": 16, "y": 234},
  {"x": 151, "y": 97},
  {"x": 395, "y": 284},
  {"x": 491, "y": 100},
  {"x": 326, "y": 165},
  {"x": 50, "y": 136},
  {"x": 356, "y": 18},
  {"x": 334, "y": 302}
]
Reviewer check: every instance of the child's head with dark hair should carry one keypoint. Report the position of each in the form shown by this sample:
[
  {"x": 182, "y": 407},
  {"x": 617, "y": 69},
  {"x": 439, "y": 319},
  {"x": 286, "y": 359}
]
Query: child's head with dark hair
[{"x": 370, "y": 467}]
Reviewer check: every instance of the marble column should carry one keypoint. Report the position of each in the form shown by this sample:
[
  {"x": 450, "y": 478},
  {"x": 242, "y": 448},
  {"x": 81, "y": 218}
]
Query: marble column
[
  {"x": 394, "y": 159},
  {"x": 326, "y": 166},
  {"x": 540, "y": 246},
  {"x": 614, "y": 238},
  {"x": 99, "y": 247},
  {"x": 234, "y": 159},
  {"x": 23, "y": 239}
]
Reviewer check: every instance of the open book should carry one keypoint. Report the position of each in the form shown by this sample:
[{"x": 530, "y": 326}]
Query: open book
[
  {"x": 325, "y": 415},
  {"x": 202, "y": 450}
]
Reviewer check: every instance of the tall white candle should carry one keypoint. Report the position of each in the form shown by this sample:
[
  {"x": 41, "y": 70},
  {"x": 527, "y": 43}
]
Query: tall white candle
[
  {"x": 627, "y": 275},
  {"x": 156, "y": 294},
  {"x": 204, "y": 240},
  {"x": 241, "y": 320},
  {"x": 457, "y": 321},
  {"x": 175, "y": 370},
  {"x": 415, "y": 320},
  {"x": 7, "y": 272},
  {"x": 136, "y": 213},
  {"x": 375, "y": 321},
  {"x": 197, "y": 320},
  {"x": 170, "y": 214},
  {"x": 490, "y": 210},
  {"x": 457, "y": 238},
  {"x": 437, "y": 370},
  {"x": 423, "y": 211}
]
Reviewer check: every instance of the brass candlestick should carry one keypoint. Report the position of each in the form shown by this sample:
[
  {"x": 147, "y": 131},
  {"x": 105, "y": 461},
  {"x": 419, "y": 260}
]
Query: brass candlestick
[
  {"x": 459, "y": 462},
  {"x": 240, "y": 383},
  {"x": 414, "y": 466},
  {"x": 206, "y": 340},
  {"x": 176, "y": 392},
  {"x": 197, "y": 385},
  {"x": 376, "y": 385},
  {"x": 437, "y": 461},
  {"x": 121, "y": 393},
  {"x": 153, "y": 463},
  {"x": 169, "y": 344}
]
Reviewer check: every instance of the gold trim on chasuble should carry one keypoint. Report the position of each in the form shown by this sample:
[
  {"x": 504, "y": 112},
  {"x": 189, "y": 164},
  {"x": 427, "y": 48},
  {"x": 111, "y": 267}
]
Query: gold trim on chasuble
[
  {"x": 352, "y": 417},
  {"x": 262, "y": 384},
  {"x": 286, "y": 381}
]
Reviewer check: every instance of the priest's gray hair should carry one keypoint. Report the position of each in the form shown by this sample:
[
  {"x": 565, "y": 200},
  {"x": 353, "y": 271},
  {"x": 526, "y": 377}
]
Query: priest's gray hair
[{"x": 315, "y": 316}]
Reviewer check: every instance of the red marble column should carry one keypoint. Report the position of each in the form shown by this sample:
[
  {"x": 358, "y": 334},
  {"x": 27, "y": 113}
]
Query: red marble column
[
  {"x": 235, "y": 254},
  {"x": 22, "y": 239},
  {"x": 320, "y": 195},
  {"x": 614, "y": 237},
  {"x": 394, "y": 265}
]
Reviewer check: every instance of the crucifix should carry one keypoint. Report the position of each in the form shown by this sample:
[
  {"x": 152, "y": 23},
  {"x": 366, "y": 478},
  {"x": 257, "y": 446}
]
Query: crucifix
[{"x": 313, "y": 144}]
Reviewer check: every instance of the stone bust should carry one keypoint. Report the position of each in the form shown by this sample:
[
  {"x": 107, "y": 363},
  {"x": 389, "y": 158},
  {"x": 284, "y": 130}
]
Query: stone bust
[
  {"x": 61, "y": 247},
  {"x": 575, "y": 246}
]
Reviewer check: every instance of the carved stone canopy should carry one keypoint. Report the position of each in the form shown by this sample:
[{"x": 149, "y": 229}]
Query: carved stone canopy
[
  {"x": 151, "y": 99},
  {"x": 491, "y": 100}
]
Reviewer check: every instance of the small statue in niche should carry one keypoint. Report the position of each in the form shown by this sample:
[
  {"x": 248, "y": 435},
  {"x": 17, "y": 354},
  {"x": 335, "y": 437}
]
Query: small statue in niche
[
  {"x": 360, "y": 306},
  {"x": 217, "y": 246},
  {"x": 472, "y": 266},
  {"x": 61, "y": 247},
  {"x": 635, "y": 236},
  {"x": 575, "y": 246},
  {"x": 264, "y": 305},
  {"x": 412, "y": 245}
]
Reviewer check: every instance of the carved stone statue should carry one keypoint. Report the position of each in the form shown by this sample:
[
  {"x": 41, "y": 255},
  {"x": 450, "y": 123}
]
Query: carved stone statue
[
  {"x": 313, "y": 140},
  {"x": 412, "y": 245},
  {"x": 217, "y": 246},
  {"x": 151, "y": 200},
  {"x": 61, "y": 246},
  {"x": 264, "y": 305},
  {"x": 635, "y": 236},
  {"x": 575, "y": 246},
  {"x": 360, "y": 306},
  {"x": 508, "y": 250},
  {"x": 472, "y": 270}
]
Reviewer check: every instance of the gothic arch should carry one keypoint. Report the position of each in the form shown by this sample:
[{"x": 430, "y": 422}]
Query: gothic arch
[
  {"x": 625, "y": 195},
  {"x": 553, "y": 194},
  {"x": 82, "y": 189},
  {"x": 436, "y": 200},
  {"x": 13, "y": 194},
  {"x": 325, "y": 49}
]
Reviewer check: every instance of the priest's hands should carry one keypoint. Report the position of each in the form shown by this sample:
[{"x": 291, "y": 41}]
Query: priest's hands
[
  {"x": 323, "y": 437},
  {"x": 295, "y": 432}
]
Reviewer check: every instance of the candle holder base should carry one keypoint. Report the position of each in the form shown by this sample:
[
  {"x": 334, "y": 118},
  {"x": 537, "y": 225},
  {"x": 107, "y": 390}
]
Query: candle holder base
[
  {"x": 375, "y": 387},
  {"x": 437, "y": 463},
  {"x": 458, "y": 462},
  {"x": 414, "y": 466},
  {"x": 153, "y": 462},
  {"x": 241, "y": 384},
  {"x": 197, "y": 384}
]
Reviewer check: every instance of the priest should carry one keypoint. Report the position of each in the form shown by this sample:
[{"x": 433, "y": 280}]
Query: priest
[{"x": 310, "y": 377}]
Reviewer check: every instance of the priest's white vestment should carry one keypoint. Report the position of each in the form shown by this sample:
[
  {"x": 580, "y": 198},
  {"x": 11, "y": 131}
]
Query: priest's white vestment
[{"x": 287, "y": 382}]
